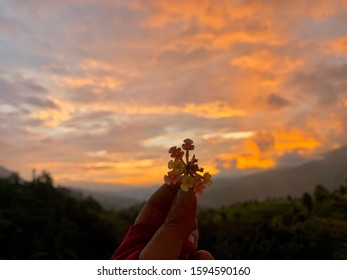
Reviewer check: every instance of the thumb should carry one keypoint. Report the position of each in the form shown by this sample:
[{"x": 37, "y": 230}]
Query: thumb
[
  {"x": 202, "y": 255},
  {"x": 168, "y": 241}
]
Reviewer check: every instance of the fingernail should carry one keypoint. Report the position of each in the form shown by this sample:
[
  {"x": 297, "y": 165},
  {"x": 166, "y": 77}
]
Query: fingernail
[{"x": 191, "y": 239}]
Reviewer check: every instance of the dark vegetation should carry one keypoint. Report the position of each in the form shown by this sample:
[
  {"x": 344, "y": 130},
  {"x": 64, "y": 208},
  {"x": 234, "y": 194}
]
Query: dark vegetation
[
  {"x": 313, "y": 227},
  {"x": 40, "y": 221}
]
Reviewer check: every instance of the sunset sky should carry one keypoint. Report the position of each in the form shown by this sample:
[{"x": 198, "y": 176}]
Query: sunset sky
[{"x": 97, "y": 91}]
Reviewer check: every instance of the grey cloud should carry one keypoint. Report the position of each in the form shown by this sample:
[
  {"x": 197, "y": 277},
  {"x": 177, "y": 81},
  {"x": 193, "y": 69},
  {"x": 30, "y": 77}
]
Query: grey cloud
[
  {"x": 11, "y": 26},
  {"x": 5, "y": 145},
  {"x": 57, "y": 69},
  {"x": 17, "y": 84},
  {"x": 332, "y": 27},
  {"x": 127, "y": 137},
  {"x": 13, "y": 125},
  {"x": 21, "y": 92},
  {"x": 124, "y": 138},
  {"x": 206, "y": 81},
  {"x": 173, "y": 60},
  {"x": 276, "y": 101},
  {"x": 41, "y": 103},
  {"x": 326, "y": 84},
  {"x": 103, "y": 130},
  {"x": 32, "y": 86},
  {"x": 6, "y": 88},
  {"x": 264, "y": 141},
  {"x": 13, "y": 130},
  {"x": 93, "y": 122},
  {"x": 86, "y": 117}
]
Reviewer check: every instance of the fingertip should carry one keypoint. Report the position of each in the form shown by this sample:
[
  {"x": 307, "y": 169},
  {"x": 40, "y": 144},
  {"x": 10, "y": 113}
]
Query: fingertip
[
  {"x": 186, "y": 199},
  {"x": 157, "y": 206}
]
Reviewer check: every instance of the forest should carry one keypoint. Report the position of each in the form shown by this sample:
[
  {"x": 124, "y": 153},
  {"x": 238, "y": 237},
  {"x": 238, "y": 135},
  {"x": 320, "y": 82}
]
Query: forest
[{"x": 41, "y": 221}]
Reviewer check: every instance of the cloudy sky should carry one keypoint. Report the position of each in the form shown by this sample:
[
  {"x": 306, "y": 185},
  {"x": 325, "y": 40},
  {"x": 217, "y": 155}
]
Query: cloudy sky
[{"x": 96, "y": 91}]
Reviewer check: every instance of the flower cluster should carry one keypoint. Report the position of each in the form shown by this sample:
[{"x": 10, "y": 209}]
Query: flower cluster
[{"x": 183, "y": 170}]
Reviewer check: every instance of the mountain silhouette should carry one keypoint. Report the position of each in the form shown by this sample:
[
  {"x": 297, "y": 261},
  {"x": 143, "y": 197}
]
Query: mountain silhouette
[
  {"x": 330, "y": 171},
  {"x": 4, "y": 173}
]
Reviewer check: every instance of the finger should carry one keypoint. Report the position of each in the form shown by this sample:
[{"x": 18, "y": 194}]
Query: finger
[
  {"x": 168, "y": 241},
  {"x": 203, "y": 255},
  {"x": 190, "y": 245},
  {"x": 158, "y": 205}
]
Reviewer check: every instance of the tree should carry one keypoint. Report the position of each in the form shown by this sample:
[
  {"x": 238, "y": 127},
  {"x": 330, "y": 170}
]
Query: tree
[
  {"x": 307, "y": 201},
  {"x": 45, "y": 178},
  {"x": 14, "y": 178},
  {"x": 321, "y": 193}
]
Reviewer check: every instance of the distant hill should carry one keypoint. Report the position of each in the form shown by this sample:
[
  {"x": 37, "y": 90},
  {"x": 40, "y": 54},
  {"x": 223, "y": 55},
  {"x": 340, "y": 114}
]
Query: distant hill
[
  {"x": 108, "y": 199},
  {"x": 4, "y": 173},
  {"x": 330, "y": 171}
]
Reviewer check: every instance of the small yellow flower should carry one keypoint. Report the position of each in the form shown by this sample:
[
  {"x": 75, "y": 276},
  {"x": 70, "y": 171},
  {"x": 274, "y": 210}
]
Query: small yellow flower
[
  {"x": 188, "y": 144},
  {"x": 176, "y": 166},
  {"x": 199, "y": 185},
  {"x": 185, "y": 171},
  {"x": 187, "y": 183},
  {"x": 176, "y": 153},
  {"x": 207, "y": 178},
  {"x": 171, "y": 178}
]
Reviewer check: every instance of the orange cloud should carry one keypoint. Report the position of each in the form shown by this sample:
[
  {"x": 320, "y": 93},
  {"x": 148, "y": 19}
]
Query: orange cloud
[
  {"x": 224, "y": 23},
  {"x": 246, "y": 162},
  {"x": 277, "y": 143},
  {"x": 221, "y": 24},
  {"x": 128, "y": 172},
  {"x": 265, "y": 61},
  {"x": 263, "y": 72},
  {"x": 213, "y": 110},
  {"x": 269, "y": 35},
  {"x": 97, "y": 75},
  {"x": 173, "y": 11},
  {"x": 93, "y": 64},
  {"x": 329, "y": 127},
  {"x": 228, "y": 135},
  {"x": 295, "y": 140},
  {"x": 250, "y": 89},
  {"x": 124, "y": 172},
  {"x": 265, "y": 148},
  {"x": 224, "y": 40},
  {"x": 53, "y": 117},
  {"x": 339, "y": 46},
  {"x": 98, "y": 84}
]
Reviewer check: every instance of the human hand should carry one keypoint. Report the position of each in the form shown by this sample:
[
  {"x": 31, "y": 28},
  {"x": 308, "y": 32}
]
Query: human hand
[{"x": 170, "y": 213}]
